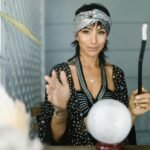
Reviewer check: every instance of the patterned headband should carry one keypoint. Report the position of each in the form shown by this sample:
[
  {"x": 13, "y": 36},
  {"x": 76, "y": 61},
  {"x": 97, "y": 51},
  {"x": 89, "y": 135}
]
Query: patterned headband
[{"x": 87, "y": 18}]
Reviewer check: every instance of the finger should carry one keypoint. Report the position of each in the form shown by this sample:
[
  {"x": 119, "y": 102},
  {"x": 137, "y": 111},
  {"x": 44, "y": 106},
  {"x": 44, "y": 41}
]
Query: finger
[
  {"x": 144, "y": 109},
  {"x": 50, "y": 85},
  {"x": 48, "y": 90},
  {"x": 134, "y": 92},
  {"x": 55, "y": 78},
  {"x": 63, "y": 78},
  {"x": 49, "y": 98},
  {"x": 143, "y": 101},
  {"x": 47, "y": 78},
  {"x": 132, "y": 97},
  {"x": 143, "y": 105},
  {"x": 54, "y": 75},
  {"x": 142, "y": 96},
  {"x": 144, "y": 90}
]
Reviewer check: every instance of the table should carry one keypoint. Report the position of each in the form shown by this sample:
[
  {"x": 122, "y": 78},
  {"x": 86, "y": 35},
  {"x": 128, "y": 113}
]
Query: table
[{"x": 128, "y": 147}]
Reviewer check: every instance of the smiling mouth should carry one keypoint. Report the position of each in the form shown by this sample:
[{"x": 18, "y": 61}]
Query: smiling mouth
[{"x": 92, "y": 48}]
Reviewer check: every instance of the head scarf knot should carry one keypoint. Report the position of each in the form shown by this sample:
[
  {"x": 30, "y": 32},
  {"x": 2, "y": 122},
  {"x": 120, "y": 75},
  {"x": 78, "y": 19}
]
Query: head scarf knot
[{"x": 87, "y": 18}]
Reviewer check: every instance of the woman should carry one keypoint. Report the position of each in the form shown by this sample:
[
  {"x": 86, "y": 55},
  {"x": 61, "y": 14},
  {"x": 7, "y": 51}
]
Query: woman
[{"x": 74, "y": 86}]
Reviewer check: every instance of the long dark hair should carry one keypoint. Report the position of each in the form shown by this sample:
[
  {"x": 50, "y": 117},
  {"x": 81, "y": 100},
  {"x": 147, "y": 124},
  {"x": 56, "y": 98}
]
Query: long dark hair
[{"x": 88, "y": 7}]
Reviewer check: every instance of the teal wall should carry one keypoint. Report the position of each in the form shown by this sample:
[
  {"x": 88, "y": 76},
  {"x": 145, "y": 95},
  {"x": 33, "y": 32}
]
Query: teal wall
[{"x": 124, "y": 41}]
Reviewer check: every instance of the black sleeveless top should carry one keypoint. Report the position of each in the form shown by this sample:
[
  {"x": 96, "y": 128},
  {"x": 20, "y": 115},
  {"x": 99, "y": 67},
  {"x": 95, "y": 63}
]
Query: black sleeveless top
[
  {"x": 79, "y": 105},
  {"x": 86, "y": 100}
]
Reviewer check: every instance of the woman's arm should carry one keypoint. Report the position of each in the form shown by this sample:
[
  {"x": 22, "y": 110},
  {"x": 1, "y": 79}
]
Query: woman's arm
[
  {"x": 58, "y": 124},
  {"x": 51, "y": 121}
]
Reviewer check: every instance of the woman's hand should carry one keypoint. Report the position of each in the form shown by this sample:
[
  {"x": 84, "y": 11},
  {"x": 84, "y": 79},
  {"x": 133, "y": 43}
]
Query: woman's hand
[
  {"x": 58, "y": 93},
  {"x": 139, "y": 104}
]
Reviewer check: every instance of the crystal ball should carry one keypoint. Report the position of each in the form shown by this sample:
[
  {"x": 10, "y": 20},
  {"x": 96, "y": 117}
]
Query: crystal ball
[{"x": 109, "y": 121}]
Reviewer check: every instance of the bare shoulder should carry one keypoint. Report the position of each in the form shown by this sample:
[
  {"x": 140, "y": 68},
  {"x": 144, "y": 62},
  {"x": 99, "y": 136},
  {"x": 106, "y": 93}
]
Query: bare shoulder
[
  {"x": 75, "y": 77},
  {"x": 72, "y": 68},
  {"x": 109, "y": 69}
]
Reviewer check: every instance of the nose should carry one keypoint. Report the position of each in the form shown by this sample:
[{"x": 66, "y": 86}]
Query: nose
[{"x": 94, "y": 37}]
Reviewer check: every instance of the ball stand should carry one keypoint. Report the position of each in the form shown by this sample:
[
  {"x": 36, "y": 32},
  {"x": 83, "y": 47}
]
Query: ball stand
[{"x": 104, "y": 146}]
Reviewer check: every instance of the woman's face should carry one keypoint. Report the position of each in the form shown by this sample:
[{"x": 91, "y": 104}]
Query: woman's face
[{"x": 91, "y": 40}]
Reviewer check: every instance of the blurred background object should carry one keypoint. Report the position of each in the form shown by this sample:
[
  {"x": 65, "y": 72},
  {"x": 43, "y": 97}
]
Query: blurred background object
[
  {"x": 14, "y": 125},
  {"x": 21, "y": 57}
]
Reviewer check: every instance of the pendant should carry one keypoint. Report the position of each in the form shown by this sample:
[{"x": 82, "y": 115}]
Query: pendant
[{"x": 91, "y": 81}]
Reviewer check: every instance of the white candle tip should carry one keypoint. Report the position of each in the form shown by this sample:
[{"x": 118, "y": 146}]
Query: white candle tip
[{"x": 144, "y": 32}]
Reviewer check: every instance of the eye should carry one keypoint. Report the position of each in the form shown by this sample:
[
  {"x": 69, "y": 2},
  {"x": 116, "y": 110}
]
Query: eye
[
  {"x": 102, "y": 32},
  {"x": 85, "y": 31}
]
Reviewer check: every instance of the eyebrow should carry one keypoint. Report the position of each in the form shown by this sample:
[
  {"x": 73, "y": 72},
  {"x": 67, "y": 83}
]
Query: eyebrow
[{"x": 91, "y": 26}]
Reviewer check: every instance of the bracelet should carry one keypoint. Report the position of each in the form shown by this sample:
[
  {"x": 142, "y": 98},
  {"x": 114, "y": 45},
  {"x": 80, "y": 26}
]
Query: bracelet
[
  {"x": 60, "y": 113},
  {"x": 60, "y": 116}
]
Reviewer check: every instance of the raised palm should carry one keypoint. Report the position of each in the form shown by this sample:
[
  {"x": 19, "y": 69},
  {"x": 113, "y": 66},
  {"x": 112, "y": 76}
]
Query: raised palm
[{"x": 58, "y": 92}]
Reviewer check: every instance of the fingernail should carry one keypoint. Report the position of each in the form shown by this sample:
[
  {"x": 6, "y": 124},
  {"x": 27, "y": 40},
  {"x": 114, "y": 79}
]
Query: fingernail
[{"x": 53, "y": 72}]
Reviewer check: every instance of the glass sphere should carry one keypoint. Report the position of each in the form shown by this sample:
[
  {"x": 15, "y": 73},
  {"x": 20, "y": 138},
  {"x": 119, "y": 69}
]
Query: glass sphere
[{"x": 109, "y": 121}]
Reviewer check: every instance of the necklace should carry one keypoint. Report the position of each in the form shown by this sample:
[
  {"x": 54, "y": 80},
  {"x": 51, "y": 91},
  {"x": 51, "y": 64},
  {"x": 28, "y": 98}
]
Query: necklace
[{"x": 91, "y": 80}]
